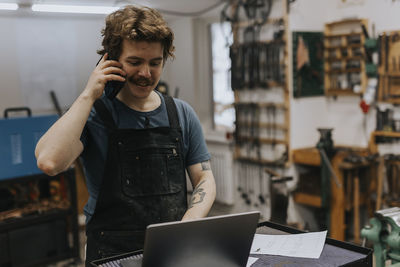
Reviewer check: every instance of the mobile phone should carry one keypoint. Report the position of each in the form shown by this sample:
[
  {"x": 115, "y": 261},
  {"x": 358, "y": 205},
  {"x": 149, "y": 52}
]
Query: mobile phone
[{"x": 112, "y": 88}]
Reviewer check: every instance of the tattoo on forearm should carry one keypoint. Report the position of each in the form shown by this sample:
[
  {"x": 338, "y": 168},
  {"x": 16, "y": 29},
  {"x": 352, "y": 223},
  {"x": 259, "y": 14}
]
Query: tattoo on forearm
[
  {"x": 205, "y": 166},
  {"x": 198, "y": 195}
]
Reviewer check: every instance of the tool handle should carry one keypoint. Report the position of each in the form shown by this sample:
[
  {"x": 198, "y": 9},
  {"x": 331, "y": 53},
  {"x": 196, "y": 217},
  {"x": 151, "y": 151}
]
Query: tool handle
[
  {"x": 17, "y": 109},
  {"x": 328, "y": 163},
  {"x": 281, "y": 179}
]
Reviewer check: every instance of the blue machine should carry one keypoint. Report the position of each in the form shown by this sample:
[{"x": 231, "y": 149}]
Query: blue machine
[{"x": 18, "y": 138}]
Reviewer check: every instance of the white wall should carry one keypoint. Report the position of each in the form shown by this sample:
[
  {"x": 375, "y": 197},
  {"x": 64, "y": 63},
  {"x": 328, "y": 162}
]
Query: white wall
[
  {"x": 67, "y": 44},
  {"x": 46, "y": 52},
  {"x": 180, "y": 71},
  {"x": 190, "y": 70},
  {"x": 351, "y": 127}
]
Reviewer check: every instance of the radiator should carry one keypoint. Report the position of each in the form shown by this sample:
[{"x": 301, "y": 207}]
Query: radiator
[{"x": 222, "y": 168}]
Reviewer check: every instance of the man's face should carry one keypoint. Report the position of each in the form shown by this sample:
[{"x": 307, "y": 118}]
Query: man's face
[{"x": 143, "y": 63}]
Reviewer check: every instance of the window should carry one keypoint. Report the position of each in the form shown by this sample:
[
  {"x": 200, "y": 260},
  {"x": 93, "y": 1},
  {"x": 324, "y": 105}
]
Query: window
[{"x": 223, "y": 97}]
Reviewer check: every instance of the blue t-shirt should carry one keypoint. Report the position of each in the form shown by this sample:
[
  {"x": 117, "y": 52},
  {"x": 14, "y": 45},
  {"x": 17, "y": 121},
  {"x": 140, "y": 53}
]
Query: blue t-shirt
[{"x": 95, "y": 140}]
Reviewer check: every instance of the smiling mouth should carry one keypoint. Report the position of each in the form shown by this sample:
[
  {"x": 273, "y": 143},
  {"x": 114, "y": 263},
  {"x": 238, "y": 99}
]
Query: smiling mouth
[{"x": 143, "y": 84}]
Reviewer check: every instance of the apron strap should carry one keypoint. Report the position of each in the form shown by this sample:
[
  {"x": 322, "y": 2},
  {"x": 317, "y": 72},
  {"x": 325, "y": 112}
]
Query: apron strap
[
  {"x": 172, "y": 112},
  {"x": 104, "y": 114},
  {"x": 108, "y": 120}
]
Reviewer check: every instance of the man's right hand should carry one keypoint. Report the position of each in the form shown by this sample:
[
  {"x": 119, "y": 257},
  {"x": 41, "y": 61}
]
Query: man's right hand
[{"x": 105, "y": 71}]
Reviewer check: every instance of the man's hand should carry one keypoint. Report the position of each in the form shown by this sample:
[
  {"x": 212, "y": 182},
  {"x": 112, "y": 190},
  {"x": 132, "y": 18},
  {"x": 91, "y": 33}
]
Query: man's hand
[{"x": 105, "y": 71}]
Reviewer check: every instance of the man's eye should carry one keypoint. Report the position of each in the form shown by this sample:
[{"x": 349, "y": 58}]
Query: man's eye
[
  {"x": 155, "y": 63},
  {"x": 134, "y": 63}
]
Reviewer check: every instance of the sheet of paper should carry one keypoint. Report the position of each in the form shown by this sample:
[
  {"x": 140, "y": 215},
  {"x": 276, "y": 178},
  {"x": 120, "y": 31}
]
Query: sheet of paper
[
  {"x": 250, "y": 261},
  {"x": 307, "y": 245}
]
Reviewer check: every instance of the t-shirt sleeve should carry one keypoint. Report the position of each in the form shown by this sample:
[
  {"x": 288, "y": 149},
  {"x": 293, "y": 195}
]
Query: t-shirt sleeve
[
  {"x": 196, "y": 145},
  {"x": 85, "y": 133}
]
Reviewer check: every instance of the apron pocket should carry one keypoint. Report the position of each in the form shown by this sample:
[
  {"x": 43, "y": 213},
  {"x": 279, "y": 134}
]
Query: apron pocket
[{"x": 148, "y": 175}]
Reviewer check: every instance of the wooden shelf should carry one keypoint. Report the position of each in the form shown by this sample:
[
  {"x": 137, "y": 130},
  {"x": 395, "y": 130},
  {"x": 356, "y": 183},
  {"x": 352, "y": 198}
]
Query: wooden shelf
[
  {"x": 344, "y": 46},
  {"x": 332, "y": 59},
  {"x": 346, "y": 92},
  {"x": 307, "y": 156},
  {"x": 390, "y": 74},
  {"x": 262, "y": 105},
  {"x": 343, "y": 71},
  {"x": 261, "y": 140},
  {"x": 373, "y": 146},
  {"x": 277, "y": 126},
  {"x": 307, "y": 199},
  {"x": 346, "y": 21},
  {"x": 245, "y": 24},
  {"x": 334, "y": 36},
  {"x": 259, "y": 161},
  {"x": 386, "y": 134}
]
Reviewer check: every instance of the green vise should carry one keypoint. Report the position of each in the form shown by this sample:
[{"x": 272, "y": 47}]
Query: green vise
[{"x": 384, "y": 232}]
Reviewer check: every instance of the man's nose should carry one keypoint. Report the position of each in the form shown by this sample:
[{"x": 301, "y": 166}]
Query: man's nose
[{"x": 145, "y": 71}]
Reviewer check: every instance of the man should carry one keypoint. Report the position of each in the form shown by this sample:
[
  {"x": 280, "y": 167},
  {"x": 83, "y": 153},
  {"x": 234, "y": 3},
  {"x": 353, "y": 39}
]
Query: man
[{"x": 134, "y": 147}]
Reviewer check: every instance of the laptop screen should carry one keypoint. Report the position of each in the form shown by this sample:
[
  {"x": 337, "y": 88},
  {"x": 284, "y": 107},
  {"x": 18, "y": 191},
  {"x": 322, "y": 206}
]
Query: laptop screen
[{"x": 212, "y": 242}]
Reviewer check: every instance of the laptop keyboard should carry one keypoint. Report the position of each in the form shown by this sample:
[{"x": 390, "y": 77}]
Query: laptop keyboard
[{"x": 117, "y": 263}]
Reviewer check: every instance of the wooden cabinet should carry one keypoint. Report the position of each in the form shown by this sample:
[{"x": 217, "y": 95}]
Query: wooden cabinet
[{"x": 344, "y": 57}]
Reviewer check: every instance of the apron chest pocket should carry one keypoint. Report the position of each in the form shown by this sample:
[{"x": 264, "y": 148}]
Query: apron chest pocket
[{"x": 149, "y": 174}]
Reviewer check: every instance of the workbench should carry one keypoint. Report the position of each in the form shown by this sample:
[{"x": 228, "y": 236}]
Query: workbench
[
  {"x": 339, "y": 200},
  {"x": 334, "y": 253}
]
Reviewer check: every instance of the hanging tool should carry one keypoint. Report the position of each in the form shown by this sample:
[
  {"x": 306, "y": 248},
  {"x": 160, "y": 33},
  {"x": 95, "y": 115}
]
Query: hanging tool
[
  {"x": 250, "y": 60},
  {"x": 237, "y": 66},
  {"x": 248, "y": 175},
  {"x": 279, "y": 196},
  {"x": 271, "y": 115},
  {"x": 262, "y": 65},
  {"x": 240, "y": 179},
  {"x": 326, "y": 149}
]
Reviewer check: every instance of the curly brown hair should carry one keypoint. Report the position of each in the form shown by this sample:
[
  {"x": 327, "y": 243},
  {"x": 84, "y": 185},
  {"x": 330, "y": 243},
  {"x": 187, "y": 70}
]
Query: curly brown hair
[{"x": 136, "y": 24}]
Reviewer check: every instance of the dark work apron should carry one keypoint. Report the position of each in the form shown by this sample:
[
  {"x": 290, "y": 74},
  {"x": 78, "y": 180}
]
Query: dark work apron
[{"x": 144, "y": 182}]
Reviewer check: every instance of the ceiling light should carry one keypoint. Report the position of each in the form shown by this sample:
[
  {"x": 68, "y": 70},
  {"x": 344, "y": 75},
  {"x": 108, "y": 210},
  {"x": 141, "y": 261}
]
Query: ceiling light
[
  {"x": 8, "y": 6},
  {"x": 74, "y": 9}
]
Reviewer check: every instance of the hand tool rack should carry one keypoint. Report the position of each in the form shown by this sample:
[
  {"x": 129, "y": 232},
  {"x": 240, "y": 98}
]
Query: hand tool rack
[
  {"x": 259, "y": 78},
  {"x": 389, "y": 67}
]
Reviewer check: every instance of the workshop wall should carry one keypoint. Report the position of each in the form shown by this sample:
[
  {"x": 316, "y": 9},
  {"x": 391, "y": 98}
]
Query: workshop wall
[
  {"x": 351, "y": 127},
  {"x": 179, "y": 72},
  {"x": 43, "y": 52},
  {"x": 46, "y": 52},
  {"x": 188, "y": 70}
]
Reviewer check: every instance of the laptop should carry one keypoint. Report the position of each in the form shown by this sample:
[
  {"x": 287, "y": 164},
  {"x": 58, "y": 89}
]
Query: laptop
[{"x": 207, "y": 242}]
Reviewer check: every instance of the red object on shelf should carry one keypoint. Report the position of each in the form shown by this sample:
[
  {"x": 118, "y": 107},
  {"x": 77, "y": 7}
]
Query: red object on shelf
[{"x": 364, "y": 106}]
